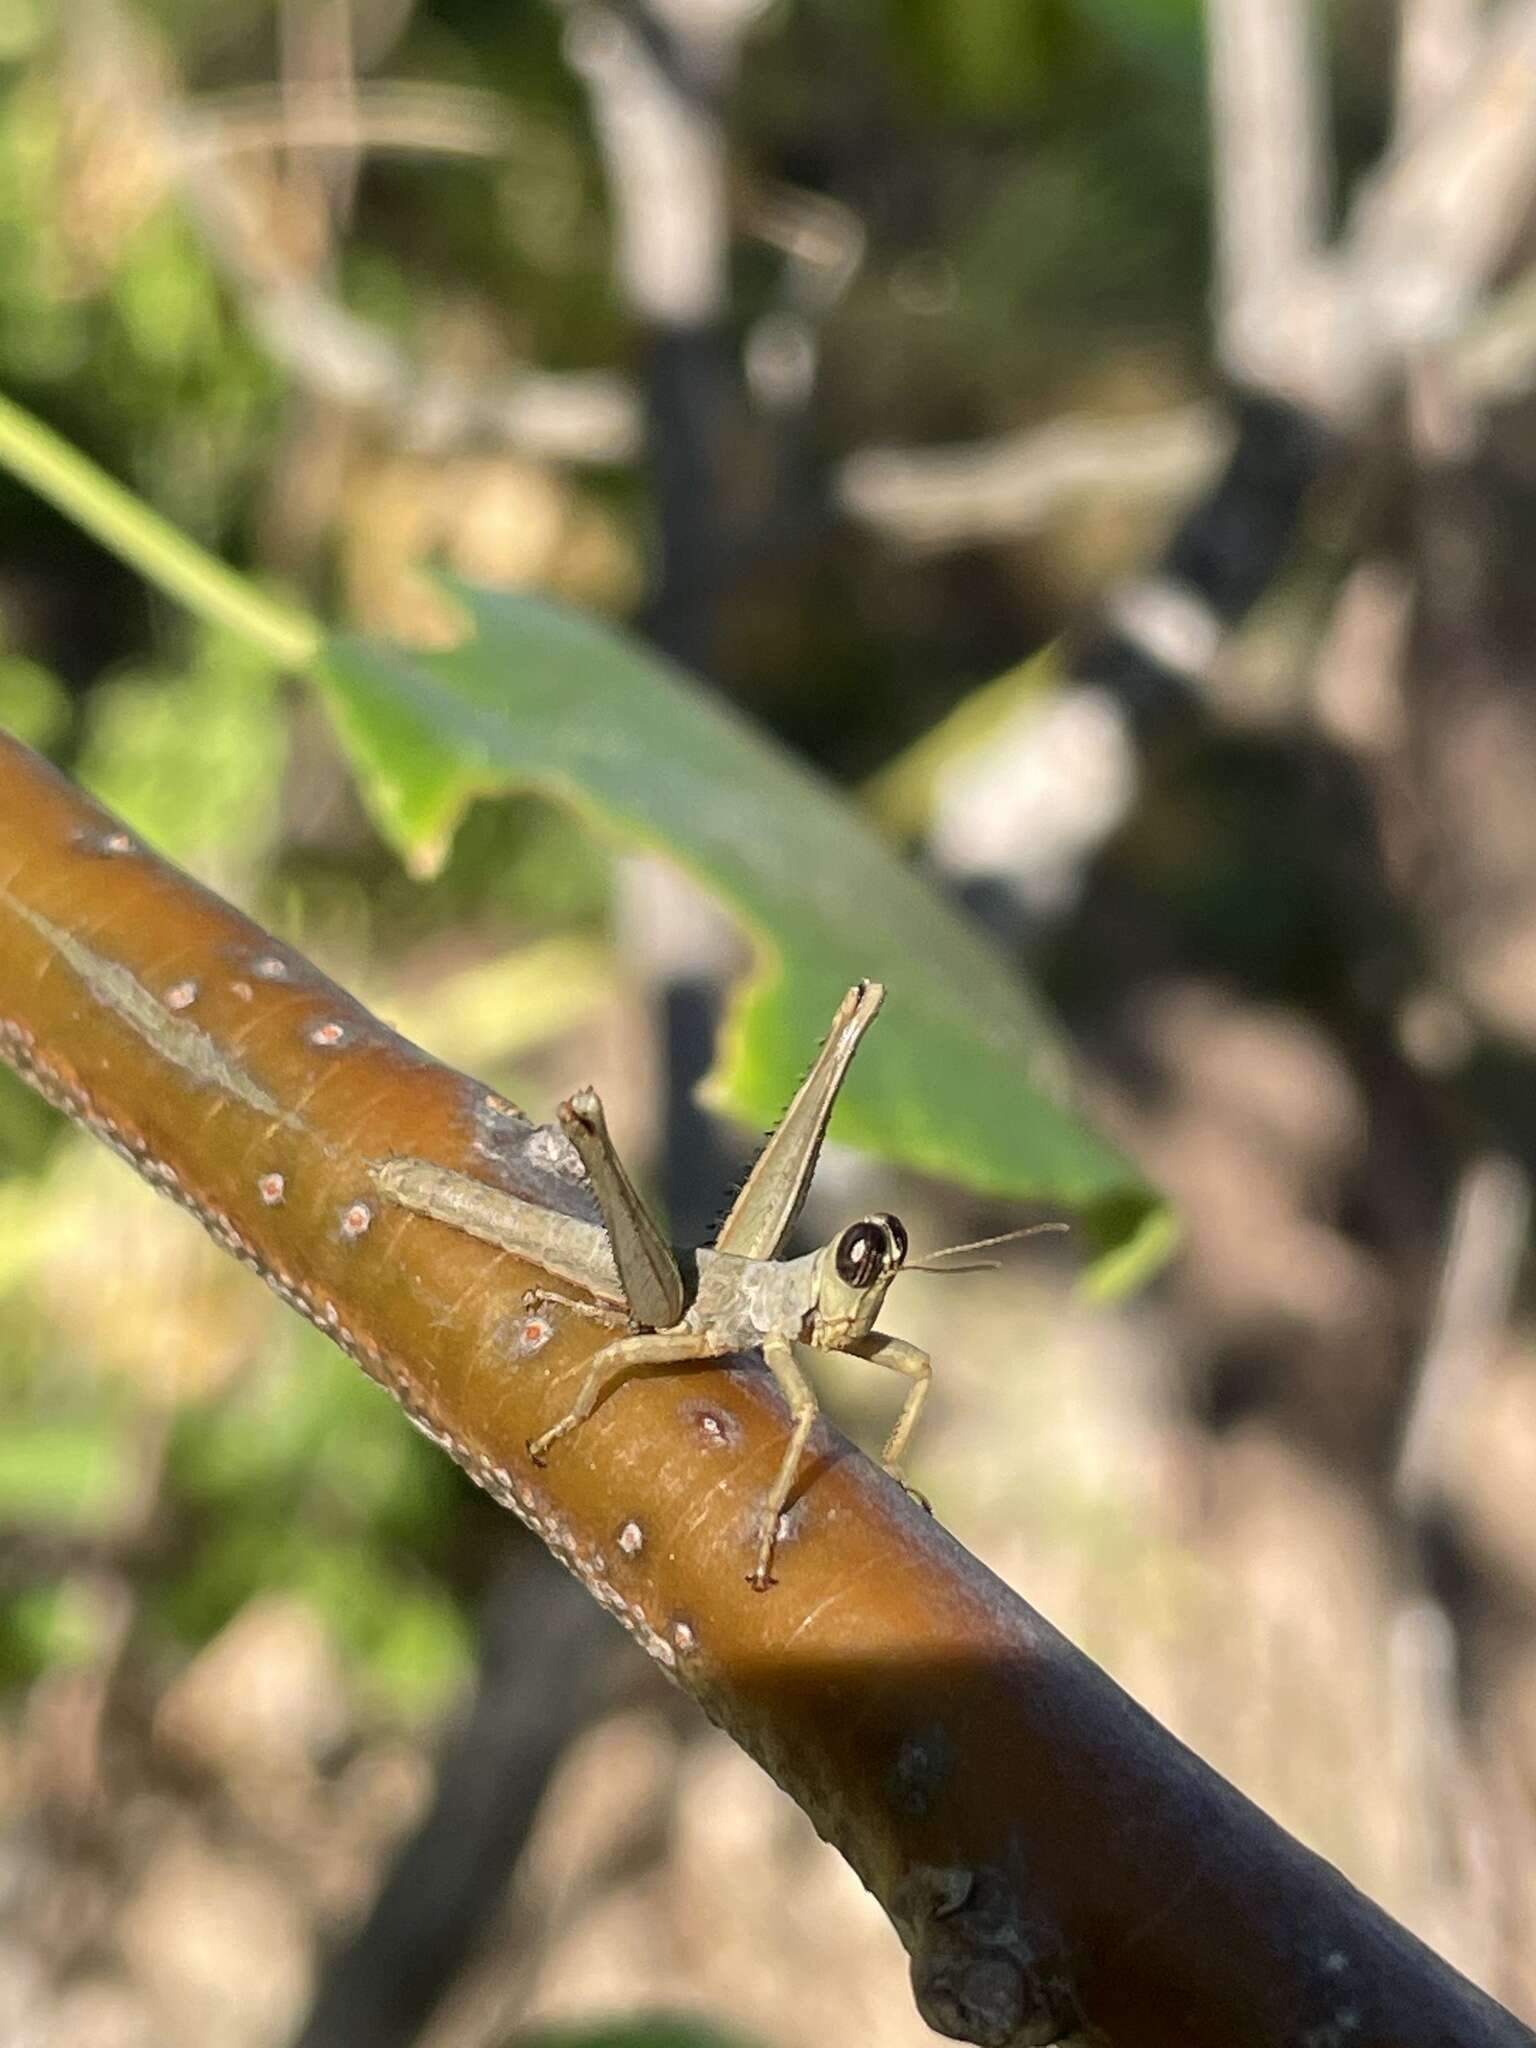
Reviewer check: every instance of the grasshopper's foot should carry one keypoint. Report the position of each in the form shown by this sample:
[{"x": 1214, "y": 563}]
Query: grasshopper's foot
[
  {"x": 909, "y": 1489},
  {"x": 538, "y": 1446},
  {"x": 761, "y": 1575}
]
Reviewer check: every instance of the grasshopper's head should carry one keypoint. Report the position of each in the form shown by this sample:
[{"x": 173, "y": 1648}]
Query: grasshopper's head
[{"x": 852, "y": 1275}]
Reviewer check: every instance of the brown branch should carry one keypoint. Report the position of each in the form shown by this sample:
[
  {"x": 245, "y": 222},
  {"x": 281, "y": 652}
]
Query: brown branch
[{"x": 1052, "y": 1858}]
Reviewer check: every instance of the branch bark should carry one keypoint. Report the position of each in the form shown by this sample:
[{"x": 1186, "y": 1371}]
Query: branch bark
[{"x": 1052, "y": 1858}]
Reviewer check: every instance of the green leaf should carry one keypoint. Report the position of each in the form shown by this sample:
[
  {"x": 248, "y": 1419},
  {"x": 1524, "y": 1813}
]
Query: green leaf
[{"x": 963, "y": 1078}]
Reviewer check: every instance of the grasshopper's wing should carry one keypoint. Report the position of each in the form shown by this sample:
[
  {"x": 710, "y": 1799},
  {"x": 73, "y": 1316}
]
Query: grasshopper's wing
[
  {"x": 647, "y": 1269},
  {"x": 764, "y": 1213}
]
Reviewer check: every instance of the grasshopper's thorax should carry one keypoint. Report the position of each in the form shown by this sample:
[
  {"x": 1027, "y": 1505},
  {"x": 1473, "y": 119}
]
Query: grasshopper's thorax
[
  {"x": 746, "y": 1300},
  {"x": 852, "y": 1275}
]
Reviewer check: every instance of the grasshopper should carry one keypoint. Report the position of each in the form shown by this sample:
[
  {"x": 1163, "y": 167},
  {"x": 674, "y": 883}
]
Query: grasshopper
[{"x": 743, "y": 1296}]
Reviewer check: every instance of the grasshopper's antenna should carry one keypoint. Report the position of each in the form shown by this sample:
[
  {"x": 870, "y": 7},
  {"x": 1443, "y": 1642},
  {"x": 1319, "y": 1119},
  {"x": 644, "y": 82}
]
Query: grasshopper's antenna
[{"x": 980, "y": 1244}]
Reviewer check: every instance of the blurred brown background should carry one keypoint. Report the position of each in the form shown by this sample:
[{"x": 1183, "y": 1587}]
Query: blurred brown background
[{"x": 855, "y": 352}]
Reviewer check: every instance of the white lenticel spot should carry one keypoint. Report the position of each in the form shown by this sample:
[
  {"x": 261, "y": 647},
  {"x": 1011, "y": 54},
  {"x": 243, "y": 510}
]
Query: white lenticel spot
[
  {"x": 683, "y": 1636},
  {"x": 631, "y": 1539},
  {"x": 327, "y": 1034},
  {"x": 534, "y": 1335},
  {"x": 270, "y": 1188},
  {"x": 241, "y": 991},
  {"x": 182, "y": 996},
  {"x": 270, "y": 968},
  {"x": 117, "y": 842},
  {"x": 355, "y": 1221}
]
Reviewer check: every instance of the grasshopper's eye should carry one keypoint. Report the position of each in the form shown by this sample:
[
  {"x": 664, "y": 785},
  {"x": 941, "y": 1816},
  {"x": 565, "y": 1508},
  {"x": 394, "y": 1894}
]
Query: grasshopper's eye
[
  {"x": 861, "y": 1254},
  {"x": 871, "y": 1250}
]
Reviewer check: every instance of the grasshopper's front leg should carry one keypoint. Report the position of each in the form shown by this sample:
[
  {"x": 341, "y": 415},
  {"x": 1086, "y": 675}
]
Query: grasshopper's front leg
[{"x": 917, "y": 1366}]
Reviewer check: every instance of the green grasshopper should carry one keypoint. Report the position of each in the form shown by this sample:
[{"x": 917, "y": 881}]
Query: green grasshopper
[{"x": 745, "y": 1297}]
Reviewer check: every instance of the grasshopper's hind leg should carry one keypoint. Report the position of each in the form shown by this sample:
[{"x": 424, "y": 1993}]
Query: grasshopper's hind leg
[
  {"x": 646, "y": 1265},
  {"x": 617, "y": 1361}
]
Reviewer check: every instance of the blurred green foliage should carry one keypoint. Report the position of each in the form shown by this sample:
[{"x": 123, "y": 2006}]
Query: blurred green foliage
[
  {"x": 298, "y": 1478},
  {"x": 303, "y": 1479},
  {"x": 647, "y": 2030},
  {"x": 47, "y": 1627},
  {"x": 33, "y": 703},
  {"x": 194, "y": 753},
  {"x": 56, "y": 1471}
]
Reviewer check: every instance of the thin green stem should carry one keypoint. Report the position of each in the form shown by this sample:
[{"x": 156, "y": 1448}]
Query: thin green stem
[{"x": 148, "y": 543}]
